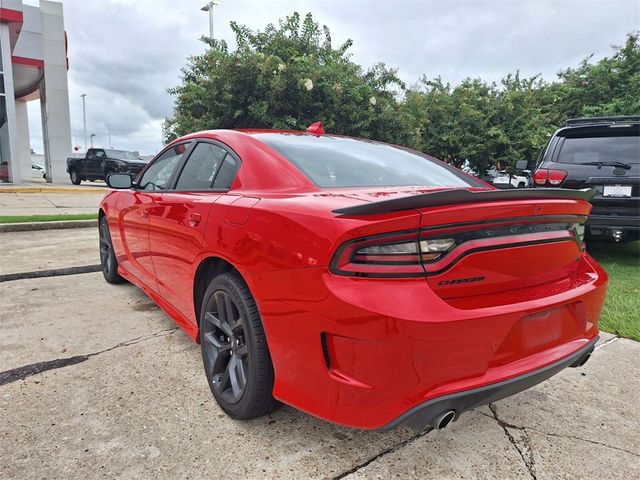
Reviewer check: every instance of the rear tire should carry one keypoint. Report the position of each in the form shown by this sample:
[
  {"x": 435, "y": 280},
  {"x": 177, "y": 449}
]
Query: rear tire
[
  {"x": 75, "y": 178},
  {"x": 107, "y": 255},
  {"x": 234, "y": 349}
]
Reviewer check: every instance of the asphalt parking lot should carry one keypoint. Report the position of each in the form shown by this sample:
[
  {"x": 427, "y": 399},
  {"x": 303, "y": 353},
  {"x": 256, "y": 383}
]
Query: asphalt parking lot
[{"x": 96, "y": 381}]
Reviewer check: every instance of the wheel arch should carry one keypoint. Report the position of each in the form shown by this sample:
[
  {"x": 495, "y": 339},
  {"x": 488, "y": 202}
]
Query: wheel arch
[{"x": 209, "y": 268}]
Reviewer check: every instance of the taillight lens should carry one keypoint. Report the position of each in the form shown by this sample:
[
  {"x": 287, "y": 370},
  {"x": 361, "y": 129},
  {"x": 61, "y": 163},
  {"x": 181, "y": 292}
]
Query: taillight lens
[
  {"x": 434, "y": 248},
  {"x": 401, "y": 256},
  {"x": 393, "y": 253},
  {"x": 556, "y": 177},
  {"x": 540, "y": 176},
  {"x": 545, "y": 176},
  {"x": 404, "y": 253}
]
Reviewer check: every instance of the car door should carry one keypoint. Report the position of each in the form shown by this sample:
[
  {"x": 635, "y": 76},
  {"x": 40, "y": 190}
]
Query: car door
[
  {"x": 88, "y": 164},
  {"x": 134, "y": 213},
  {"x": 178, "y": 220},
  {"x": 97, "y": 168}
]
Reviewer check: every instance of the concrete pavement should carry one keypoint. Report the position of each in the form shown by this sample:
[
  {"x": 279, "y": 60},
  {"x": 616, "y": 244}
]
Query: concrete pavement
[
  {"x": 96, "y": 381},
  {"x": 44, "y": 203},
  {"x": 45, "y": 250},
  {"x": 48, "y": 199}
]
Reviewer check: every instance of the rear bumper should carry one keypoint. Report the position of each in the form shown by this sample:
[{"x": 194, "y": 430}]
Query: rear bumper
[
  {"x": 625, "y": 222},
  {"x": 425, "y": 414},
  {"x": 370, "y": 353}
]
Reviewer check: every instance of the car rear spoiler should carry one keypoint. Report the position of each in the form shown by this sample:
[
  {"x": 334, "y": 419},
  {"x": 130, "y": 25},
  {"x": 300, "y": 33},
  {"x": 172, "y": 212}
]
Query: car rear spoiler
[{"x": 460, "y": 195}]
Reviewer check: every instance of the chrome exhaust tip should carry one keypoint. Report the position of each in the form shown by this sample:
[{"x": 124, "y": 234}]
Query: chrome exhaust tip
[{"x": 444, "y": 419}]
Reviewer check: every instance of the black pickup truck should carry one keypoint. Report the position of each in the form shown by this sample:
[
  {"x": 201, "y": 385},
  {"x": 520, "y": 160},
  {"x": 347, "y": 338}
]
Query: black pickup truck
[{"x": 100, "y": 162}]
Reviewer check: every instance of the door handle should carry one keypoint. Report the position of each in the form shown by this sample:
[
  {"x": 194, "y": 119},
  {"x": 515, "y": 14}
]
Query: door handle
[
  {"x": 144, "y": 214},
  {"x": 194, "y": 219}
]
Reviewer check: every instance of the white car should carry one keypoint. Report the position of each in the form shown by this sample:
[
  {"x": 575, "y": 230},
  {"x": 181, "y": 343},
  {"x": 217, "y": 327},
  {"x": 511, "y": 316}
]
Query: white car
[
  {"x": 504, "y": 180},
  {"x": 38, "y": 171}
]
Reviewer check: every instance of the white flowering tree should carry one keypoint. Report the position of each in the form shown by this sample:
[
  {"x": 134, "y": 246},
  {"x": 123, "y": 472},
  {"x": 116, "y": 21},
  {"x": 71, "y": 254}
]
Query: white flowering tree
[{"x": 284, "y": 77}]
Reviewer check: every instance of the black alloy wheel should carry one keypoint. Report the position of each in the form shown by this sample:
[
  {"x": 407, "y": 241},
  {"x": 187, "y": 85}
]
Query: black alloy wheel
[
  {"x": 108, "y": 259},
  {"x": 234, "y": 350},
  {"x": 227, "y": 357}
]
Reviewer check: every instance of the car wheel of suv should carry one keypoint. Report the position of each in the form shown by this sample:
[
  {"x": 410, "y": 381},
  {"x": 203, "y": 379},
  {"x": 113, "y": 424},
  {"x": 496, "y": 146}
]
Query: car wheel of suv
[
  {"x": 75, "y": 178},
  {"x": 521, "y": 185},
  {"x": 234, "y": 349},
  {"x": 107, "y": 255}
]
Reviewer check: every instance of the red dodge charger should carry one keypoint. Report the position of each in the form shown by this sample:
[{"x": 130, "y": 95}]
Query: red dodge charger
[{"x": 364, "y": 283}]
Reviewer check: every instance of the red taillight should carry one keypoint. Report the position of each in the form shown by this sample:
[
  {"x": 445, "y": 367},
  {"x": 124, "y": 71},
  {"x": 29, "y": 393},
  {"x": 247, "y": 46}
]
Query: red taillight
[
  {"x": 400, "y": 255},
  {"x": 556, "y": 177},
  {"x": 544, "y": 176},
  {"x": 393, "y": 255},
  {"x": 540, "y": 176}
]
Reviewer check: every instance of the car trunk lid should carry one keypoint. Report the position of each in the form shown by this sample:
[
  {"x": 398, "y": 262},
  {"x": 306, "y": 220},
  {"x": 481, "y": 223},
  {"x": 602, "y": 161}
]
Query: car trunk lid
[{"x": 501, "y": 240}]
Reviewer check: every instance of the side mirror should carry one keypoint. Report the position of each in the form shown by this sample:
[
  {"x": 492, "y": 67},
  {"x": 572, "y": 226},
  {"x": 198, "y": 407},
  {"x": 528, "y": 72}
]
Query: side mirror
[
  {"x": 119, "y": 180},
  {"x": 521, "y": 164}
]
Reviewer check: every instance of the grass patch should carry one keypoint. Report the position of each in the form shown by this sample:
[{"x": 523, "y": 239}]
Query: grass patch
[
  {"x": 621, "y": 314},
  {"x": 47, "y": 218}
]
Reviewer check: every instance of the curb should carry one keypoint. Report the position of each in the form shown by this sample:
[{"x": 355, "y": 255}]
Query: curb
[
  {"x": 56, "y": 272},
  {"x": 30, "y": 226}
]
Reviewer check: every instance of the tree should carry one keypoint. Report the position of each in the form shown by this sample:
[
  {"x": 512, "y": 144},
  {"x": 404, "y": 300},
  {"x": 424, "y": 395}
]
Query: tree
[
  {"x": 608, "y": 87},
  {"x": 284, "y": 77},
  {"x": 289, "y": 76}
]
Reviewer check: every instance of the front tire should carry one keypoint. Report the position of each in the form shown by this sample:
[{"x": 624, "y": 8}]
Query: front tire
[
  {"x": 108, "y": 259},
  {"x": 234, "y": 349},
  {"x": 75, "y": 178}
]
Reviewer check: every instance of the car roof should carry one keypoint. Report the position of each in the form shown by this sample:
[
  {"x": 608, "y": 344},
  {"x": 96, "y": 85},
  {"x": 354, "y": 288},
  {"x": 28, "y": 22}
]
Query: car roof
[{"x": 604, "y": 121}]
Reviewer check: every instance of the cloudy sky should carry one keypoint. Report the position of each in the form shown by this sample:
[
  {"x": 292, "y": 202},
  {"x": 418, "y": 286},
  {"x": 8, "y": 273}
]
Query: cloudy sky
[{"x": 124, "y": 54}]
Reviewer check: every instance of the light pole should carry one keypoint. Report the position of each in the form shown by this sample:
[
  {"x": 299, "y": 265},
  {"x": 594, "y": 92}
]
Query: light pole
[
  {"x": 84, "y": 119},
  {"x": 209, "y": 8},
  {"x": 92, "y": 135},
  {"x": 109, "y": 133}
]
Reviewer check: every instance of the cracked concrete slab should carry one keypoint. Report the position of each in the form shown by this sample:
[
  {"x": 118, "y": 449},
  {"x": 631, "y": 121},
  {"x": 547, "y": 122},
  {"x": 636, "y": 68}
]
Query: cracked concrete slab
[
  {"x": 473, "y": 447},
  {"x": 597, "y": 403},
  {"x": 569, "y": 458},
  {"x": 145, "y": 411},
  {"x": 605, "y": 338},
  {"x": 47, "y": 318}
]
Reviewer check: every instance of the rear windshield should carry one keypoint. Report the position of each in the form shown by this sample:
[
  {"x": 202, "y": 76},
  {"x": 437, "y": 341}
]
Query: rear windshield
[
  {"x": 621, "y": 144},
  {"x": 347, "y": 162}
]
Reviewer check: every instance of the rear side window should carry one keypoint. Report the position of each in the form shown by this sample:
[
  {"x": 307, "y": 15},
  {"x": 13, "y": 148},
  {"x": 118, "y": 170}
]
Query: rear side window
[
  {"x": 348, "y": 162},
  {"x": 620, "y": 144},
  {"x": 201, "y": 167},
  {"x": 227, "y": 173}
]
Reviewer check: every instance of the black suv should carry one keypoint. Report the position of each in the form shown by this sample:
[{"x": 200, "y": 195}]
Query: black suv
[{"x": 602, "y": 153}]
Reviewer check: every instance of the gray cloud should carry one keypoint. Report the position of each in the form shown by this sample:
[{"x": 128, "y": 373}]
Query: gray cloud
[{"x": 124, "y": 54}]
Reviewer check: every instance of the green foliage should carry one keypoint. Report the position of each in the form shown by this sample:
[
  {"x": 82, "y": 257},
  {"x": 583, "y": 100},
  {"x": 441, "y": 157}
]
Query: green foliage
[
  {"x": 285, "y": 77},
  {"x": 290, "y": 76}
]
